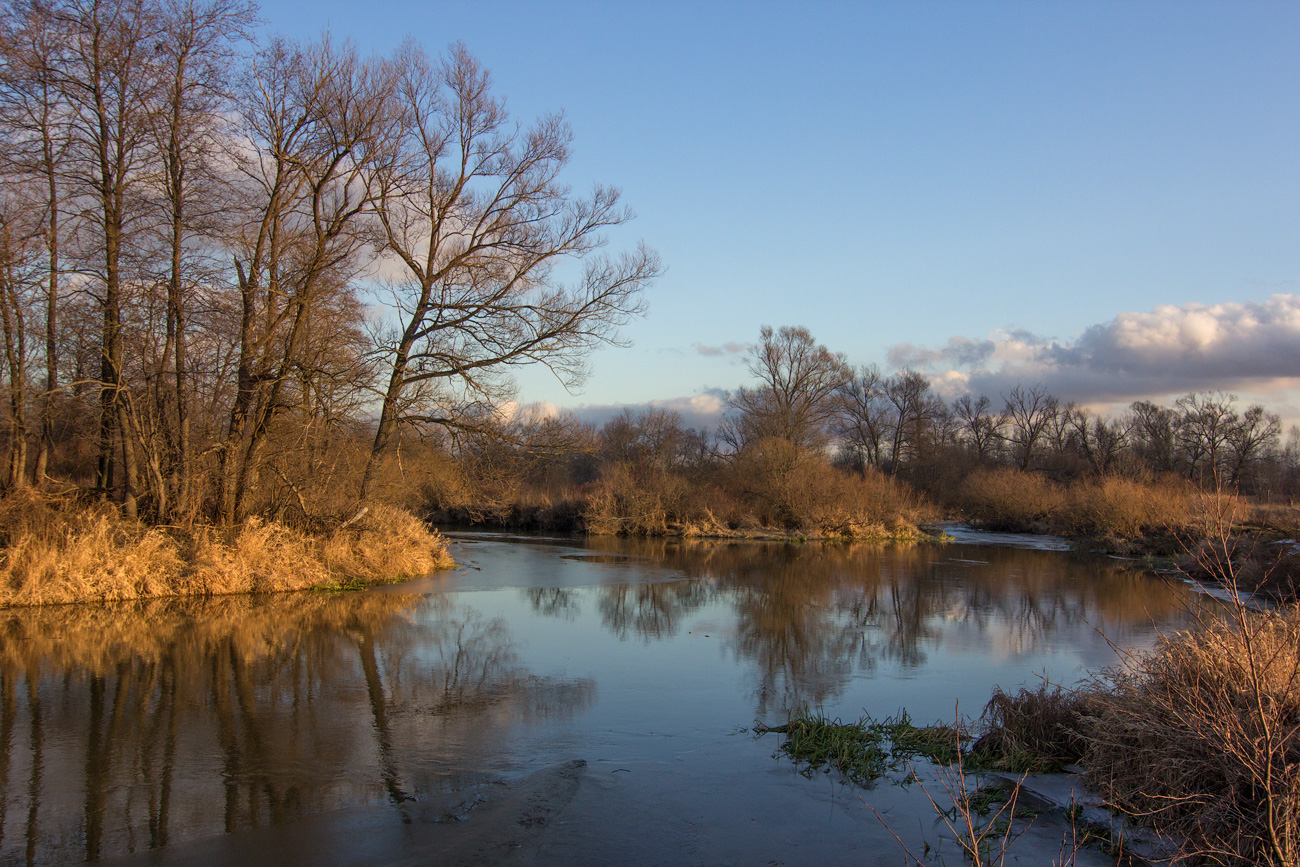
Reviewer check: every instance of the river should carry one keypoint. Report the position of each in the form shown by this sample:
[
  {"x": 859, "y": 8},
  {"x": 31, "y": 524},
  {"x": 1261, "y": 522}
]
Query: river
[{"x": 549, "y": 701}]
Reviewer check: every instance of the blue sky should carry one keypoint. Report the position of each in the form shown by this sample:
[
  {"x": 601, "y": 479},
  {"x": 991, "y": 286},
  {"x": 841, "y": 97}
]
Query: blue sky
[{"x": 1100, "y": 196}]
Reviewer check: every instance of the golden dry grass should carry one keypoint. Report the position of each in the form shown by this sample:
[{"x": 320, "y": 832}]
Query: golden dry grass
[
  {"x": 1005, "y": 499},
  {"x": 55, "y": 551},
  {"x": 1201, "y": 738},
  {"x": 776, "y": 487},
  {"x": 1119, "y": 508}
]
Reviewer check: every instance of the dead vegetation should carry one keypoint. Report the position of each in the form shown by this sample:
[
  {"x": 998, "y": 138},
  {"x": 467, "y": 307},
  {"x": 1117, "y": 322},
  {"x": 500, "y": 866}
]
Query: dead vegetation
[
  {"x": 1201, "y": 738},
  {"x": 1032, "y": 731},
  {"x": 773, "y": 488},
  {"x": 55, "y": 550}
]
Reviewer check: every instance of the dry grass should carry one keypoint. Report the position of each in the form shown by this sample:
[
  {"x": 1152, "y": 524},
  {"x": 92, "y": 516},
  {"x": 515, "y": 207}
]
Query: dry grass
[
  {"x": 1201, "y": 738},
  {"x": 1033, "y": 731},
  {"x": 775, "y": 487},
  {"x": 1124, "y": 509},
  {"x": 57, "y": 551},
  {"x": 1005, "y": 499}
]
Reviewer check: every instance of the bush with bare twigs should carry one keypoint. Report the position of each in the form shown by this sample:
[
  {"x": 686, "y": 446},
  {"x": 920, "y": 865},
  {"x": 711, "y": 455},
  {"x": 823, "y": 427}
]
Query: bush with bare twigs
[
  {"x": 1124, "y": 509},
  {"x": 1006, "y": 499},
  {"x": 1201, "y": 738}
]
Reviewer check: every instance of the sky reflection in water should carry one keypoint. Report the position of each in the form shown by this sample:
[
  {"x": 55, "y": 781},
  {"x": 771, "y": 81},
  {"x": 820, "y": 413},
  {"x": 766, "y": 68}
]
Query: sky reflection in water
[{"x": 133, "y": 727}]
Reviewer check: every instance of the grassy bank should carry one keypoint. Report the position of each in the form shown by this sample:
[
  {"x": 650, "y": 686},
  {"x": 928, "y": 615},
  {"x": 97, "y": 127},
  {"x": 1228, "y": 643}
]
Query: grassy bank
[{"x": 55, "y": 551}]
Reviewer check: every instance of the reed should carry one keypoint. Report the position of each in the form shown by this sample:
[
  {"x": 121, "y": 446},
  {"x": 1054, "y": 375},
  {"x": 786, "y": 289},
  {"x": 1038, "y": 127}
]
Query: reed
[{"x": 55, "y": 551}]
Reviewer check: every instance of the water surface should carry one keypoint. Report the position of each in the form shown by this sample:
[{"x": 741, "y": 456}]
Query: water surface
[{"x": 391, "y": 725}]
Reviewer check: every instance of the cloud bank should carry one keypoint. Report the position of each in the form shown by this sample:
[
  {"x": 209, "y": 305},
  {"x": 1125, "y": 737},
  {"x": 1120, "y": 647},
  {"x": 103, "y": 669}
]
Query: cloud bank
[
  {"x": 702, "y": 411},
  {"x": 1247, "y": 346}
]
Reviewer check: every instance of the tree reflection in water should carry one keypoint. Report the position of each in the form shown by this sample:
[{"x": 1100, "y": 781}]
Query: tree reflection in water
[
  {"x": 129, "y": 727},
  {"x": 809, "y": 616}
]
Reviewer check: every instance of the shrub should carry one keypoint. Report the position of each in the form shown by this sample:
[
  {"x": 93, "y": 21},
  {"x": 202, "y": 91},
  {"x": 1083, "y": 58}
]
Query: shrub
[
  {"x": 1125, "y": 509},
  {"x": 1004, "y": 499},
  {"x": 1201, "y": 738}
]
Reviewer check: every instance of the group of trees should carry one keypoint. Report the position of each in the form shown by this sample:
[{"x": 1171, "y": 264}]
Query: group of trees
[
  {"x": 216, "y": 253},
  {"x": 816, "y": 399},
  {"x": 790, "y": 446}
]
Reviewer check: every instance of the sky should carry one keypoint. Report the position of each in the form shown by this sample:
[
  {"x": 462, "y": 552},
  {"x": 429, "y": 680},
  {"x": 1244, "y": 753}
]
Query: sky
[{"x": 1100, "y": 197}]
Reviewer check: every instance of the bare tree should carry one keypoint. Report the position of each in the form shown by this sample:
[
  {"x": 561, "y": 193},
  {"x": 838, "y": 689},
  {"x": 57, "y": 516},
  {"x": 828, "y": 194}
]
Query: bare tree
[
  {"x": 196, "y": 54},
  {"x": 915, "y": 410},
  {"x": 20, "y": 236},
  {"x": 1255, "y": 433},
  {"x": 1153, "y": 429},
  {"x": 313, "y": 116},
  {"x": 1027, "y": 413},
  {"x": 1205, "y": 423},
  {"x": 795, "y": 401},
  {"x": 474, "y": 210},
  {"x": 979, "y": 427},
  {"x": 1098, "y": 440},
  {"x": 863, "y": 414},
  {"x": 36, "y": 119}
]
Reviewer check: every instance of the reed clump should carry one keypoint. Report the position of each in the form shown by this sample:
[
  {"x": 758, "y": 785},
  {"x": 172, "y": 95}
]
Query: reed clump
[
  {"x": 1033, "y": 730},
  {"x": 55, "y": 550},
  {"x": 1201, "y": 738},
  {"x": 1007, "y": 499}
]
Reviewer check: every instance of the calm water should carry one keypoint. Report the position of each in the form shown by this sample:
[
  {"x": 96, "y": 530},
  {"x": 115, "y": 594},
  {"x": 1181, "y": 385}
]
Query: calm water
[{"x": 388, "y": 725}]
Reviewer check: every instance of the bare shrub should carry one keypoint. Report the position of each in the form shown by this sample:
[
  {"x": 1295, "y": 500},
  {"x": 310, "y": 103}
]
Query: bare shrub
[
  {"x": 1125, "y": 509},
  {"x": 1003, "y": 499},
  {"x": 1201, "y": 738},
  {"x": 633, "y": 500}
]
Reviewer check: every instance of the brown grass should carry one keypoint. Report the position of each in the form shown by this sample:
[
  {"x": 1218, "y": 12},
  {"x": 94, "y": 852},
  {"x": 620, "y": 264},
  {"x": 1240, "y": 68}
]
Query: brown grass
[
  {"x": 1005, "y": 499},
  {"x": 775, "y": 487},
  {"x": 56, "y": 551},
  {"x": 1124, "y": 509},
  {"x": 1033, "y": 731},
  {"x": 1201, "y": 738}
]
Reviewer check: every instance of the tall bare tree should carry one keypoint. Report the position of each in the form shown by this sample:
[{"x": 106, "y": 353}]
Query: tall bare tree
[
  {"x": 795, "y": 400},
  {"x": 313, "y": 116},
  {"x": 36, "y": 121},
  {"x": 196, "y": 54},
  {"x": 980, "y": 427},
  {"x": 1028, "y": 411},
  {"x": 474, "y": 210},
  {"x": 863, "y": 414}
]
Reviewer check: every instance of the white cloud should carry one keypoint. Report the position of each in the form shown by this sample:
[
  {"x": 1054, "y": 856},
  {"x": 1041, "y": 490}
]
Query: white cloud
[
  {"x": 1239, "y": 346},
  {"x": 731, "y": 348},
  {"x": 701, "y": 411}
]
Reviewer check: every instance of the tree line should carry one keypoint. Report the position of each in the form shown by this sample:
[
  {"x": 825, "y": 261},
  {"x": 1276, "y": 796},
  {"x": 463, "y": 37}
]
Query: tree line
[
  {"x": 859, "y": 417},
  {"x": 221, "y": 257}
]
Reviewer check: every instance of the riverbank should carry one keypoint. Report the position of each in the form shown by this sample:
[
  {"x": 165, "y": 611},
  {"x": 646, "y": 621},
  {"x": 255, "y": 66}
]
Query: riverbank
[{"x": 58, "y": 550}]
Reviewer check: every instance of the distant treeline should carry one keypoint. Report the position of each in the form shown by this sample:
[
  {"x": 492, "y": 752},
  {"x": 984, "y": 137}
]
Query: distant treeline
[{"x": 819, "y": 447}]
